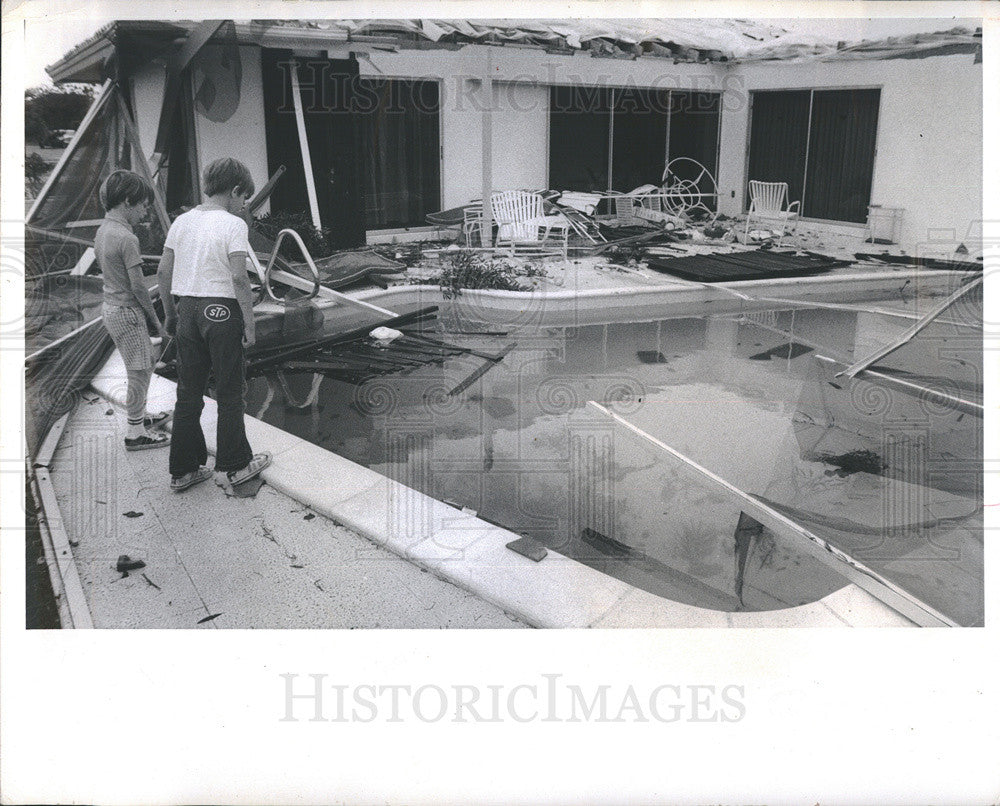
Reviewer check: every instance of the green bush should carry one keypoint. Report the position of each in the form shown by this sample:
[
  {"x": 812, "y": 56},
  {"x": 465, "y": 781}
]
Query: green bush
[
  {"x": 35, "y": 171},
  {"x": 471, "y": 271}
]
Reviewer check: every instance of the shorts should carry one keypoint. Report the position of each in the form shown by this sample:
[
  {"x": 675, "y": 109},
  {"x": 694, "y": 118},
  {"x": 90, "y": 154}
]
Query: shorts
[{"x": 127, "y": 326}]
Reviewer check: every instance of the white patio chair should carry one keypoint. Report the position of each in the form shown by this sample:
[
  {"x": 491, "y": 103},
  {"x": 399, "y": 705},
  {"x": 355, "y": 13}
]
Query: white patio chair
[
  {"x": 523, "y": 226},
  {"x": 769, "y": 206},
  {"x": 472, "y": 225}
]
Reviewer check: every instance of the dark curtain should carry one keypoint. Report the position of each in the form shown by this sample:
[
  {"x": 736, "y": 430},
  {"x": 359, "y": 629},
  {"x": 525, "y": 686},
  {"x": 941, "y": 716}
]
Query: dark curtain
[
  {"x": 396, "y": 124},
  {"x": 694, "y": 133},
  {"x": 579, "y": 121},
  {"x": 779, "y": 126},
  {"x": 289, "y": 194},
  {"x": 639, "y": 144},
  {"x": 183, "y": 182},
  {"x": 841, "y": 155}
]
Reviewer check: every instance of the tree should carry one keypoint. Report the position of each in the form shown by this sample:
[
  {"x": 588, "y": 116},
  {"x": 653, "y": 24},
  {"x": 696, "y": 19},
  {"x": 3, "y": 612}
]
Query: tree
[
  {"x": 47, "y": 108},
  {"x": 35, "y": 130}
]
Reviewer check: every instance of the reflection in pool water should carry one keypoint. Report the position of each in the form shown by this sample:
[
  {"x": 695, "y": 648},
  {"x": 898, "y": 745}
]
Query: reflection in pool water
[{"x": 887, "y": 475}]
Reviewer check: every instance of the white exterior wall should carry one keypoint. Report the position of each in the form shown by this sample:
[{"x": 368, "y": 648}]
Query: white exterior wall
[
  {"x": 242, "y": 136},
  {"x": 928, "y": 156},
  {"x": 147, "y": 100}
]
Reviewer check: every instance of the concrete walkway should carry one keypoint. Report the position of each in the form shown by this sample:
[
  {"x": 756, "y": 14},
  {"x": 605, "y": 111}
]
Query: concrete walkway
[{"x": 217, "y": 561}]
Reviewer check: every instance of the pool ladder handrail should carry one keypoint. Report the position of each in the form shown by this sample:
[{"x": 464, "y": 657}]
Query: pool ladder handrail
[{"x": 264, "y": 274}]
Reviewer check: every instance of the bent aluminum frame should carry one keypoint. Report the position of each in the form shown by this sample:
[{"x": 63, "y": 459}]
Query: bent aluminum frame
[{"x": 851, "y": 569}]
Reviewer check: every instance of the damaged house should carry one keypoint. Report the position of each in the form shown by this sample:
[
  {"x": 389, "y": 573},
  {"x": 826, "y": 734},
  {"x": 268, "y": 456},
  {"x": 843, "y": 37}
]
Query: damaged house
[
  {"x": 379, "y": 123},
  {"x": 691, "y": 436}
]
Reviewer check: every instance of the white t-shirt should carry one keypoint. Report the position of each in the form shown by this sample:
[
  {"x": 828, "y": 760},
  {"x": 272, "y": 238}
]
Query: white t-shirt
[{"x": 202, "y": 241}]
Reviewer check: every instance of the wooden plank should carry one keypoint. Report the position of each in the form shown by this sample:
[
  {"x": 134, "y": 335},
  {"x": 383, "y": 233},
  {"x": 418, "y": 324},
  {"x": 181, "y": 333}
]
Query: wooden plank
[
  {"x": 264, "y": 192},
  {"x": 48, "y": 233},
  {"x": 477, "y": 374},
  {"x": 48, "y": 448},
  {"x": 300, "y": 125},
  {"x": 302, "y": 284},
  {"x": 457, "y": 349},
  {"x": 159, "y": 206},
  {"x": 92, "y": 222},
  {"x": 931, "y": 315},
  {"x": 84, "y": 263},
  {"x": 486, "y": 138}
]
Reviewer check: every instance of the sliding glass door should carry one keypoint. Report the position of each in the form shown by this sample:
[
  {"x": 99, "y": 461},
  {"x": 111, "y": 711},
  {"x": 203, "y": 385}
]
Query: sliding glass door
[
  {"x": 399, "y": 134},
  {"x": 822, "y": 143},
  {"x": 609, "y": 138}
]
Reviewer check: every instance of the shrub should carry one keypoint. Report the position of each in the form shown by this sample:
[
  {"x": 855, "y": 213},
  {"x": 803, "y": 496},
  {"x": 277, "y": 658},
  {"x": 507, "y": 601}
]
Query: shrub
[
  {"x": 472, "y": 271},
  {"x": 35, "y": 171}
]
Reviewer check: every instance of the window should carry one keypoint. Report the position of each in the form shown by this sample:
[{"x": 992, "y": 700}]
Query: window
[
  {"x": 398, "y": 131},
  {"x": 822, "y": 143},
  {"x": 620, "y": 138},
  {"x": 579, "y": 137}
]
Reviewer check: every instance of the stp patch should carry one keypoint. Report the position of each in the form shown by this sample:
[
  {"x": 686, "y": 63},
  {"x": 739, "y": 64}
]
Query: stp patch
[{"x": 217, "y": 313}]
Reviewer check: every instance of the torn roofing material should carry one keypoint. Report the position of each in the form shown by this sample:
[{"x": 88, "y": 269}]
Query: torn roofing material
[
  {"x": 800, "y": 47},
  {"x": 723, "y": 37},
  {"x": 680, "y": 39},
  {"x": 691, "y": 40}
]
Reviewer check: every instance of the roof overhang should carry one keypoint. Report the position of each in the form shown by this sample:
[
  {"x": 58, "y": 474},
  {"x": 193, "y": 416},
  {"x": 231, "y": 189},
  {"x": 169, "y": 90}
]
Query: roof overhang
[{"x": 85, "y": 62}]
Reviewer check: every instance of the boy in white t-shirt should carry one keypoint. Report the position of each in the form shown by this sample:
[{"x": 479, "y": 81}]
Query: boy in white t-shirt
[{"x": 204, "y": 267}]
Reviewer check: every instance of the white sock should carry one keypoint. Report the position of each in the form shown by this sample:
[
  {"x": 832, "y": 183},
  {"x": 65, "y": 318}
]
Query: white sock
[{"x": 135, "y": 429}]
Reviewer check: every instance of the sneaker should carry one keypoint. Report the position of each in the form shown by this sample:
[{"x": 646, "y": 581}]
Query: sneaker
[
  {"x": 257, "y": 464},
  {"x": 157, "y": 420},
  {"x": 180, "y": 483},
  {"x": 144, "y": 442}
]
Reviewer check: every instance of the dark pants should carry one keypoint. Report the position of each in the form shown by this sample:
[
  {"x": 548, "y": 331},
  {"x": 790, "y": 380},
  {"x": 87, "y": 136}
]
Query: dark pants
[{"x": 209, "y": 338}]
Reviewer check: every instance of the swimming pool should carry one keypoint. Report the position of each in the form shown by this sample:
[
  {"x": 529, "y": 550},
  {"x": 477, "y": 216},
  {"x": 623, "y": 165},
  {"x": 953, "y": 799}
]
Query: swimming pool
[{"x": 621, "y": 444}]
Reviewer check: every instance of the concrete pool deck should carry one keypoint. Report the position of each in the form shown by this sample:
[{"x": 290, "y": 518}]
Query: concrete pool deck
[{"x": 214, "y": 561}]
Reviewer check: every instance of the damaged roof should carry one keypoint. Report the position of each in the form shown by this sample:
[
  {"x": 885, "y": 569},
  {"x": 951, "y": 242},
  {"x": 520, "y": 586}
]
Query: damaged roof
[
  {"x": 678, "y": 39},
  {"x": 687, "y": 40},
  {"x": 798, "y": 47}
]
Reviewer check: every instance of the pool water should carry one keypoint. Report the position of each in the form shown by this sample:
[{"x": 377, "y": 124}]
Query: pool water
[{"x": 563, "y": 440}]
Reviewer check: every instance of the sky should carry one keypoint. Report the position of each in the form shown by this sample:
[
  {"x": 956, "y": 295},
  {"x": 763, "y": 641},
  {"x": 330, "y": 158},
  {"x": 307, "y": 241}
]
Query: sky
[{"x": 49, "y": 39}]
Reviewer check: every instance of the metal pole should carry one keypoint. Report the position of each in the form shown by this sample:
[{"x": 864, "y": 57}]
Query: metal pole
[{"x": 487, "y": 135}]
